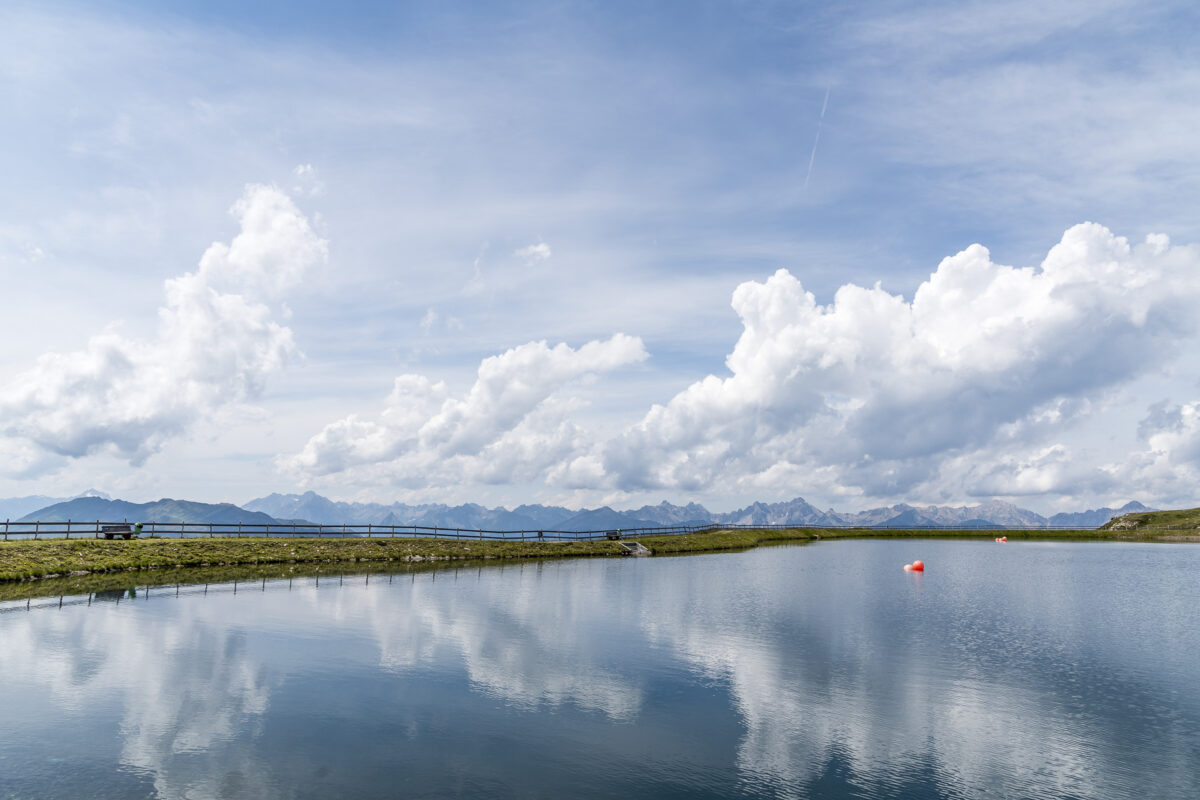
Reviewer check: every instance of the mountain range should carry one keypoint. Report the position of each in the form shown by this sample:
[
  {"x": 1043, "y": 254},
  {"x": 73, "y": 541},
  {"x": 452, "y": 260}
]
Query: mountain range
[
  {"x": 312, "y": 507},
  {"x": 315, "y": 508},
  {"x": 83, "y": 509}
]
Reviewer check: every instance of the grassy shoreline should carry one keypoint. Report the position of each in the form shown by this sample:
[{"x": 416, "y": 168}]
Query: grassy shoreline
[{"x": 22, "y": 561}]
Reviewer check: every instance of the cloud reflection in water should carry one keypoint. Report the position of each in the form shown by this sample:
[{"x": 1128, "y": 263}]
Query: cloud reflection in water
[{"x": 815, "y": 671}]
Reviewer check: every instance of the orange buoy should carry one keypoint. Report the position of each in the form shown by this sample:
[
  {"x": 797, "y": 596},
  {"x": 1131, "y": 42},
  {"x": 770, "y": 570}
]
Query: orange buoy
[
  {"x": 918, "y": 566},
  {"x": 908, "y": 567}
]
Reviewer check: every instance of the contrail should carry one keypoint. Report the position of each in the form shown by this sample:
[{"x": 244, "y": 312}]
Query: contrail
[{"x": 817, "y": 138}]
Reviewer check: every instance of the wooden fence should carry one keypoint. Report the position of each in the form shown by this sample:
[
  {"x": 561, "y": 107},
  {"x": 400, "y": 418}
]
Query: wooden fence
[{"x": 189, "y": 530}]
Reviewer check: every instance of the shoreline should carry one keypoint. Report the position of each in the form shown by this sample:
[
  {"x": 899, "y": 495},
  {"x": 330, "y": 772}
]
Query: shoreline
[{"x": 25, "y": 562}]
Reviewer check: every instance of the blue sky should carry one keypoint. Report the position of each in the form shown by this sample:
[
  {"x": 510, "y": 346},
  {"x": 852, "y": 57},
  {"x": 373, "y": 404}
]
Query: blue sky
[{"x": 492, "y": 252}]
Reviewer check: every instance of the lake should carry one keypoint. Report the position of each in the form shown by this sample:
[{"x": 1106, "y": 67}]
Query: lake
[{"x": 812, "y": 671}]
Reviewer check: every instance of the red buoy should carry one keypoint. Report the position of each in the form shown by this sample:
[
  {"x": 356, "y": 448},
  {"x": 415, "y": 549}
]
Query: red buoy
[{"x": 918, "y": 566}]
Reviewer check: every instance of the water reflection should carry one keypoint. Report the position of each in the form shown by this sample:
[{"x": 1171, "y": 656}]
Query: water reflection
[
  {"x": 821, "y": 671},
  {"x": 517, "y": 641},
  {"x": 184, "y": 687}
]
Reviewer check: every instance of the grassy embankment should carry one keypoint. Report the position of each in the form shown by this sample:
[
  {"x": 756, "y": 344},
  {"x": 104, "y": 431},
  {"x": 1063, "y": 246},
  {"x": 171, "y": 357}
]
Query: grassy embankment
[
  {"x": 1184, "y": 522},
  {"x": 25, "y": 560},
  {"x": 22, "y": 560},
  {"x": 46, "y": 558}
]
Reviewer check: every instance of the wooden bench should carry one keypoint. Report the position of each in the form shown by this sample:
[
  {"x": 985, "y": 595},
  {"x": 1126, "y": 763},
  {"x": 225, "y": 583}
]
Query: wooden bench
[{"x": 125, "y": 531}]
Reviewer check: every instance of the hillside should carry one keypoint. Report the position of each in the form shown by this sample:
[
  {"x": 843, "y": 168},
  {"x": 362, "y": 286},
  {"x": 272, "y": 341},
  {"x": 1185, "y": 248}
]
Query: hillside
[
  {"x": 1094, "y": 518},
  {"x": 165, "y": 510},
  {"x": 15, "y": 508},
  {"x": 599, "y": 519},
  {"x": 1180, "y": 519}
]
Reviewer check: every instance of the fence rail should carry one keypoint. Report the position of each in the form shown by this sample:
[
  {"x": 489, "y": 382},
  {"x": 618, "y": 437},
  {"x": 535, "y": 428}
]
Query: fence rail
[{"x": 191, "y": 530}]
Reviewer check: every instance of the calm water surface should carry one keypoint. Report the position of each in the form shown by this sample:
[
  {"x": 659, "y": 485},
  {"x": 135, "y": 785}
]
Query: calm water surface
[{"x": 1016, "y": 670}]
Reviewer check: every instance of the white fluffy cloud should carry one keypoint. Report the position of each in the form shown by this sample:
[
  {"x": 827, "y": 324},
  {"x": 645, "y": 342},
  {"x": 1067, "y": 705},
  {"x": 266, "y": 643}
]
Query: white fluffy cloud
[
  {"x": 968, "y": 388},
  {"x": 215, "y": 344},
  {"x": 1169, "y": 462},
  {"x": 515, "y": 414},
  {"x": 883, "y": 391}
]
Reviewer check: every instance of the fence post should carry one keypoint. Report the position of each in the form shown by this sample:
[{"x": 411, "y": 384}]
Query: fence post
[
  {"x": 36, "y": 525},
  {"x": 68, "y": 529}
]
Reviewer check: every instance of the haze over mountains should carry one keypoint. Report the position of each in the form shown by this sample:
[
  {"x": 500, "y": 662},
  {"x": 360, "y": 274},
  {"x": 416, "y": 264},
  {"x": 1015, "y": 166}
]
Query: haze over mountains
[
  {"x": 15, "y": 508},
  {"x": 83, "y": 509},
  {"x": 312, "y": 507},
  {"x": 315, "y": 508}
]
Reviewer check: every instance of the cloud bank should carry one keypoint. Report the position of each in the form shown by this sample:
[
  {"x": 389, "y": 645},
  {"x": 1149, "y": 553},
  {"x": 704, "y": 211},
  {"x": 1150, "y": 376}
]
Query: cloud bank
[
  {"x": 882, "y": 391},
  {"x": 512, "y": 423},
  {"x": 215, "y": 345},
  {"x": 976, "y": 377}
]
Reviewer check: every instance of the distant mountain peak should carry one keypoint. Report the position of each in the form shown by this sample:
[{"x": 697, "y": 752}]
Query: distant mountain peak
[{"x": 313, "y": 507}]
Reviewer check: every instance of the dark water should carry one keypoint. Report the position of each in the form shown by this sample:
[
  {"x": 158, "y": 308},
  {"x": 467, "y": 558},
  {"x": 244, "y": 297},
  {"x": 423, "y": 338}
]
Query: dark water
[{"x": 1015, "y": 670}]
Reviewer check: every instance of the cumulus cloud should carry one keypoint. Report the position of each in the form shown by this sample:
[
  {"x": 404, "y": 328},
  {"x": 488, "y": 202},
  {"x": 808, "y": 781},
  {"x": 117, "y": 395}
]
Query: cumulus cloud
[
  {"x": 1169, "y": 463},
  {"x": 215, "y": 344},
  {"x": 276, "y": 245},
  {"x": 969, "y": 384},
  {"x": 884, "y": 389},
  {"x": 516, "y": 412}
]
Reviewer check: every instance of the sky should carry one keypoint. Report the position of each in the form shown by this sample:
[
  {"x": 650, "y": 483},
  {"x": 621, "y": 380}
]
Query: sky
[{"x": 591, "y": 253}]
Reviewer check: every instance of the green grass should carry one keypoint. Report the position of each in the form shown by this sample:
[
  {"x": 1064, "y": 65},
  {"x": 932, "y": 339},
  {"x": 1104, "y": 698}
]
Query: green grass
[
  {"x": 57, "y": 557},
  {"x": 741, "y": 539},
  {"x": 74, "y": 558},
  {"x": 1187, "y": 519}
]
